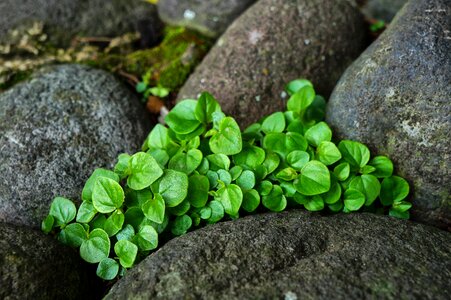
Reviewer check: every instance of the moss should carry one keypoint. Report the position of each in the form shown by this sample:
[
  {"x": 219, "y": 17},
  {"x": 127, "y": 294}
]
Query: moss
[{"x": 15, "y": 78}]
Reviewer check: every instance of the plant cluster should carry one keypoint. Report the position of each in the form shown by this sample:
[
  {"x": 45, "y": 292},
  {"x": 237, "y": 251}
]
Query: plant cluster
[{"x": 202, "y": 169}]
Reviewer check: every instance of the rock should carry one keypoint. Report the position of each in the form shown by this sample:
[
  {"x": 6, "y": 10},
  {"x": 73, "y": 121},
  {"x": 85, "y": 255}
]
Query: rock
[
  {"x": 210, "y": 18},
  {"x": 273, "y": 42},
  {"x": 382, "y": 9},
  {"x": 55, "y": 129},
  {"x": 35, "y": 266},
  {"x": 395, "y": 98},
  {"x": 297, "y": 255},
  {"x": 64, "y": 19}
]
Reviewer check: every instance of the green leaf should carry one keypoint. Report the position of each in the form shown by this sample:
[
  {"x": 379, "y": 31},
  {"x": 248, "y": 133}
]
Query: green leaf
[
  {"x": 251, "y": 200},
  {"x": 333, "y": 195},
  {"x": 393, "y": 189},
  {"x": 205, "y": 107},
  {"x": 63, "y": 210},
  {"x": 260, "y": 173},
  {"x": 316, "y": 111},
  {"x": 73, "y": 235},
  {"x": 367, "y": 169},
  {"x": 314, "y": 179},
  {"x": 182, "y": 118},
  {"x": 274, "y": 123},
  {"x": 301, "y": 199},
  {"x": 158, "y": 138},
  {"x": 126, "y": 233},
  {"x": 126, "y": 251},
  {"x": 47, "y": 224},
  {"x": 86, "y": 212},
  {"x": 252, "y": 132},
  {"x": 217, "y": 212},
  {"x": 314, "y": 203},
  {"x": 228, "y": 138},
  {"x": 250, "y": 156},
  {"x": 288, "y": 189},
  {"x": 122, "y": 167},
  {"x": 159, "y": 91},
  {"x": 336, "y": 207},
  {"x": 98, "y": 222},
  {"x": 180, "y": 209},
  {"x": 328, "y": 153},
  {"x": 294, "y": 86},
  {"x": 144, "y": 171},
  {"x": 235, "y": 172},
  {"x": 198, "y": 188},
  {"x": 287, "y": 174},
  {"x": 204, "y": 166},
  {"x": 107, "y": 269},
  {"x": 246, "y": 180},
  {"x": 218, "y": 161},
  {"x": 283, "y": 144},
  {"x": 399, "y": 214},
  {"x": 355, "y": 153},
  {"x": 224, "y": 176},
  {"x": 213, "y": 178},
  {"x": 86, "y": 193},
  {"x": 318, "y": 133},
  {"x": 271, "y": 162},
  {"x": 173, "y": 187},
  {"x": 205, "y": 213},
  {"x": 342, "y": 171},
  {"x": 107, "y": 195},
  {"x": 230, "y": 197},
  {"x": 161, "y": 156},
  {"x": 383, "y": 165},
  {"x": 302, "y": 99},
  {"x": 134, "y": 216},
  {"x": 275, "y": 200},
  {"x": 154, "y": 209},
  {"x": 114, "y": 223},
  {"x": 368, "y": 185},
  {"x": 135, "y": 198},
  {"x": 401, "y": 206},
  {"x": 181, "y": 225},
  {"x": 353, "y": 199},
  {"x": 297, "y": 159},
  {"x": 265, "y": 187},
  {"x": 146, "y": 239},
  {"x": 186, "y": 162},
  {"x": 141, "y": 87},
  {"x": 96, "y": 247}
]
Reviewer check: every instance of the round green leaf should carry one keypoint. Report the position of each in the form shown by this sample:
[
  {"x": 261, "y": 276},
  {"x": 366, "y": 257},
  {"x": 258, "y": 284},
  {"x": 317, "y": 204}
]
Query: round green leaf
[
  {"x": 154, "y": 209},
  {"x": 336, "y": 207},
  {"x": 402, "y": 206},
  {"x": 96, "y": 247},
  {"x": 251, "y": 200},
  {"x": 230, "y": 197},
  {"x": 86, "y": 193},
  {"x": 294, "y": 86},
  {"x": 47, "y": 224},
  {"x": 126, "y": 251},
  {"x": 114, "y": 223},
  {"x": 271, "y": 162},
  {"x": 333, "y": 195},
  {"x": 314, "y": 203},
  {"x": 275, "y": 200},
  {"x": 342, "y": 171},
  {"x": 246, "y": 180},
  {"x": 217, "y": 212},
  {"x": 302, "y": 99},
  {"x": 224, "y": 176},
  {"x": 250, "y": 156},
  {"x": 297, "y": 159},
  {"x": 107, "y": 195},
  {"x": 228, "y": 138},
  {"x": 283, "y": 144},
  {"x": 180, "y": 209},
  {"x": 287, "y": 174},
  {"x": 204, "y": 166},
  {"x": 393, "y": 189},
  {"x": 198, "y": 188},
  {"x": 146, "y": 239},
  {"x": 122, "y": 167},
  {"x": 218, "y": 161},
  {"x": 367, "y": 169},
  {"x": 288, "y": 189},
  {"x": 355, "y": 153},
  {"x": 126, "y": 233},
  {"x": 274, "y": 123},
  {"x": 63, "y": 210},
  {"x": 399, "y": 214},
  {"x": 328, "y": 153},
  {"x": 173, "y": 187},
  {"x": 213, "y": 178},
  {"x": 314, "y": 179},
  {"x": 144, "y": 171},
  {"x": 367, "y": 184},
  {"x": 235, "y": 172},
  {"x": 383, "y": 165},
  {"x": 318, "y": 133},
  {"x": 86, "y": 212},
  {"x": 186, "y": 162},
  {"x": 134, "y": 198},
  {"x": 182, "y": 118},
  {"x": 181, "y": 225},
  {"x": 73, "y": 235},
  {"x": 134, "y": 216},
  {"x": 265, "y": 187},
  {"x": 353, "y": 199},
  {"x": 107, "y": 269},
  {"x": 161, "y": 156},
  {"x": 205, "y": 107}
]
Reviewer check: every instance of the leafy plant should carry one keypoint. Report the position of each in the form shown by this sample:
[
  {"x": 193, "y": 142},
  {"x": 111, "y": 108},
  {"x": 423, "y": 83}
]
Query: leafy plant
[{"x": 202, "y": 169}]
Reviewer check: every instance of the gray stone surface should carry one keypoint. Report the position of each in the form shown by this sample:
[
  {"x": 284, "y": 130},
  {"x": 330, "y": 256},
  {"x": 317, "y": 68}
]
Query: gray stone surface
[
  {"x": 63, "y": 19},
  {"x": 396, "y": 98},
  {"x": 297, "y": 255},
  {"x": 273, "y": 42},
  {"x": 210, "y": 18},
  {"x": 35, "y": 266},
  {"x": 55, "y": 129},
  {"x": 382, "y": 9}
]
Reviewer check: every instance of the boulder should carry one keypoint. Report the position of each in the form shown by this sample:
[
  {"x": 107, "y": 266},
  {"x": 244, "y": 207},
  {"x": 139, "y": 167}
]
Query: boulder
[
  {"x": 64, "y": 19},
  {"x": 210, "y": 18},
  {"x": 382, "y": 9},
  {"x": 273, "y": 42},
  {"x": 35, "y": 266},
  {"x": 297, "y": 255},
  {"x": 395, "y": 98},
  {"x": 55, "y": 129}
]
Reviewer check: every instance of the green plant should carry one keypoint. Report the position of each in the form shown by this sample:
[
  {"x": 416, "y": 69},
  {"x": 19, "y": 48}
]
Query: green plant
[{"x": 202, "y": 169}]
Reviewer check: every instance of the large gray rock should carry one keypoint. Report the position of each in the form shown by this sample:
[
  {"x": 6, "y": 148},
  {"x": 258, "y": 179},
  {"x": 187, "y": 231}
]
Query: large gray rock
[
  {"x": 297, "y": 255},
  {"x": 396, "y": 98},
  {"x": 55, "y": 129},
  {"x": 211, "y": 18},
  {"x": 382, "y": 9},
  {"x": 63, "y": 19},
  {"x": 35, "y": 266},
  {"x": 273, "y": 42}
]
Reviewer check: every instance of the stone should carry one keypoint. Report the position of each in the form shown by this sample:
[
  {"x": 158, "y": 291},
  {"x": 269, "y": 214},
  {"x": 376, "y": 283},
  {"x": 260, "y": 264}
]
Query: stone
[
  {"x": 210, "y": 18},
  {"x": 395, "y": 98},
  {"x": 272, "y": 43},
  {"x": 382, "y": 9},
  {"x": 64, "y": 19},
  {"x": 55, "y": 130},
  {"x": 36, "y": 266},
  {"x": 297, "y": 255}
]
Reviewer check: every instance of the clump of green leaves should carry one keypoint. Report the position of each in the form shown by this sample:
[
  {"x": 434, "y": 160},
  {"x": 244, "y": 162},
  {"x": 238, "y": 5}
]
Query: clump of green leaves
[{"x": 202, "y": 169}]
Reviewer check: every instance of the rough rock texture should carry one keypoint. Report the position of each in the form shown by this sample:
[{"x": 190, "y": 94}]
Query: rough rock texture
[
  {"x": 382, "y": 9},
  {"x": 35, "y": 266},
  {"x": 208, "y": 17},
  {"x": 396, "y": 98},
  {"x": 55, "y": 129},
  {"x": 273, "y": 42},
  {"x": 63, "y": 19},
  {"x": 297, "y": 255}
]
